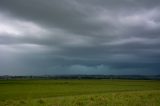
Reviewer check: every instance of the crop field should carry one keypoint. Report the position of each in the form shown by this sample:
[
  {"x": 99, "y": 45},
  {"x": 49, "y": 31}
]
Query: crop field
[{"x": 79, "y": 93}]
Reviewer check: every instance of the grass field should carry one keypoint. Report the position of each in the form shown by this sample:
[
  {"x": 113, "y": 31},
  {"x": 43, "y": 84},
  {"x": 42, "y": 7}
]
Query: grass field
[{"x": 79, "y": 93}]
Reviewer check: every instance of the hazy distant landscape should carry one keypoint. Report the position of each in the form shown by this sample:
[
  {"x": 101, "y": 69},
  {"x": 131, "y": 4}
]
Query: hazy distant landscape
[{"x": 128, "y": 77}]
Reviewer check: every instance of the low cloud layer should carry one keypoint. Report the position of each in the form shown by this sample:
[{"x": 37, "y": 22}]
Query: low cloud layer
[{"x": 41, "y": 37}]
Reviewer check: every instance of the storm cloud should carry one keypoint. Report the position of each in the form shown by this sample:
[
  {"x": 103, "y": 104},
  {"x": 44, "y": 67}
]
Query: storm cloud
[{"x": 50, "y": 37}]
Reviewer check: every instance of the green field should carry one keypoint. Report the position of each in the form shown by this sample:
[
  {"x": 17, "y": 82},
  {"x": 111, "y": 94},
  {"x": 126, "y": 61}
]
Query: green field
[{"x": 79, "y": 93}]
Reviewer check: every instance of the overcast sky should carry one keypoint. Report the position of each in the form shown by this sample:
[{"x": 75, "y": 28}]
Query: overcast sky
[{"x": 50, "y": 37}]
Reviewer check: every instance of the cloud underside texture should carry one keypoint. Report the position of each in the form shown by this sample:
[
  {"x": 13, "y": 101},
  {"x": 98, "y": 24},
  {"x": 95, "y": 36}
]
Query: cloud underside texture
[{"x": 40, "y": 37}]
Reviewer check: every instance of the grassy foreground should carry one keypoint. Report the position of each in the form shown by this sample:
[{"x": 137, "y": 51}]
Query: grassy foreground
[{"x": 79, "y": 93}]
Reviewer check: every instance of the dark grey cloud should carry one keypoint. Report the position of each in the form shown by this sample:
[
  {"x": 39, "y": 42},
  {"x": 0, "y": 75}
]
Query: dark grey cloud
[{"x": 79, "y": 37}]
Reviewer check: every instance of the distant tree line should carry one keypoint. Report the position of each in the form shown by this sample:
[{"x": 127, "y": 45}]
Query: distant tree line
[{"x": 132, "y": 77}]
